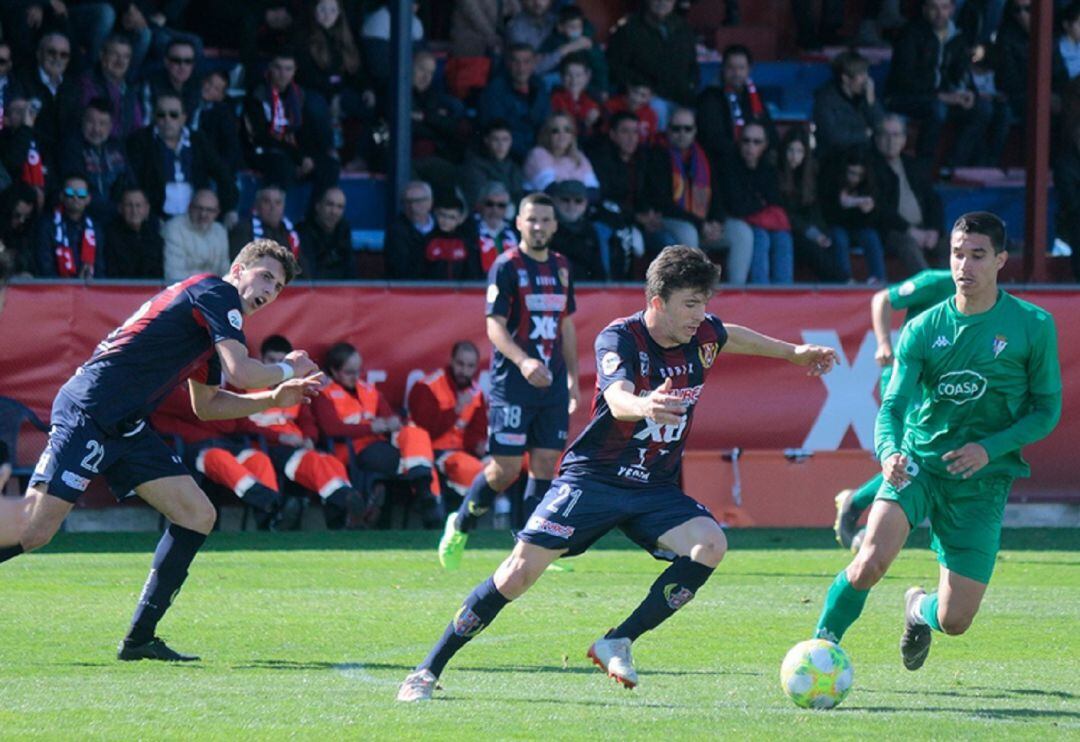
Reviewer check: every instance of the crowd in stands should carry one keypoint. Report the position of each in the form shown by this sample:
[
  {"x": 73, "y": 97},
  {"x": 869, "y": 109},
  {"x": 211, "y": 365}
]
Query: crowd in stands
[{"x": 125, "y": 124}]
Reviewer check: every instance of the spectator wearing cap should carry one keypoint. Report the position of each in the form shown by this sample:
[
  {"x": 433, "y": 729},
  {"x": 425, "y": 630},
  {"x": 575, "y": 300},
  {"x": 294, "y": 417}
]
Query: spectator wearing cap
[
  {"x": 450, "y": 253},
  {"x": 176, "y": 77},
  {"x": 491, "y": 229},
  {"x": 95, "y": 153},
  {"x": 134, "y": 246},
  {"x": 576, "y": 237},
  {"x": 326, "y": 240},
  {"x": 846, "y": 109},
  {"x": 267, "y": 221},
  {"x": 108, "y": 81},
  {"x": 723, "y": 110},
  {"x": 493, "y": 163},
  {"x": 170, "y": 162},
  {"x": 407, "y": 236},
  {"x": 519, "y": 97},
  {"x": 69, "y": 244},
  {"x": 557, "y": 157},
  {"x": 196, "y": 242}
]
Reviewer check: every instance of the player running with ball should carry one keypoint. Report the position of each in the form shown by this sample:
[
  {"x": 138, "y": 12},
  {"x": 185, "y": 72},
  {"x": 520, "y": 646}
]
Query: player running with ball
[
  {"x": 623, "y": 470},
  {"x": 986, "y": 367}
]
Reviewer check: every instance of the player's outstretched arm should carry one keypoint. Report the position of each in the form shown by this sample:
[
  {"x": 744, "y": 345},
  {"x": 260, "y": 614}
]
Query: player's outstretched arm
[
  {"x": 214, "y": 403},
  {"x": 744, "y": 341},
  {"x": 248, "y": 373}
]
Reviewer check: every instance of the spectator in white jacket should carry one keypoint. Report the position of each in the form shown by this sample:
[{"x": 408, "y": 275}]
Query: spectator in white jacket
[{"x": 196, "y": 242}]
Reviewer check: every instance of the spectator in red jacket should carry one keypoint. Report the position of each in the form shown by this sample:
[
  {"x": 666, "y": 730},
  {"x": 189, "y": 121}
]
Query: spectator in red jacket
[{"x": 571, "y": 97}]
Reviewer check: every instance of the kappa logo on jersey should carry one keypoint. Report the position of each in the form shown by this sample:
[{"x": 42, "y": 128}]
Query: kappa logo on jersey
[
  {"x": 235, "y": 318},
  {"x": 941, "y": 342},
  {"x": 676, "y": 599},
  {"x": 536, "y": 523},
  {"x": 960, "y": 387},
  {"x": 1000, "y": 341},
  {"x": 609, "y": 362},
  {"x": 643, "y": 361},
  {"x": 545, "y": 302},
  {"x": 544, "y": 328},
  {"x": 467, "y": 623},
  {"x": 707, "y": 354},
  {"x": 75, "y": 481}
]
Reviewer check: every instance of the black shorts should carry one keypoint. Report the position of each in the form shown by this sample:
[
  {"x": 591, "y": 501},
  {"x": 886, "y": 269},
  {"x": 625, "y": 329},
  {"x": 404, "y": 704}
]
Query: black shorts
[
  {"x": 514, "y": 428},
  {"x": 79, "y": 450},
  {"x": 576, "y": 512}
]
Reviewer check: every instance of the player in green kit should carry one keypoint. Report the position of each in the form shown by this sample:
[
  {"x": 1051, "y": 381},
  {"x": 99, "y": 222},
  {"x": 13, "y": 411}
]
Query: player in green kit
[
  {"x": 986, "y": 367},
  {"x": 916, "y": 295}
]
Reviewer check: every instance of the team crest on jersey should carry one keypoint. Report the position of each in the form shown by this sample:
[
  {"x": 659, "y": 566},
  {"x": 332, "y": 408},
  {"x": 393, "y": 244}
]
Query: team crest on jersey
[
  {"x": 235, "y": 318},
  {"x": 564, "y": 277},
  {"x": 707, "y": 353},
  {"x": 1000, "y": 341},
  {"x": 609, "y": 362},
  {"x": 492, "y": 293},
  {"x": 643, "y": 361}
]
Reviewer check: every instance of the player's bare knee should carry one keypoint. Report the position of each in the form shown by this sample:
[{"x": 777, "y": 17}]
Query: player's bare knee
[
  {"x": 709, "y": 552},
  {"x": 955, "y": 624},
  {"x": 200, "y": 516}
]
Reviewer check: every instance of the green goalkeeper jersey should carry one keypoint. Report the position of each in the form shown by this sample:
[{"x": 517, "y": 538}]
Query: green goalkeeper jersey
[{"x": 991, "y": 378}]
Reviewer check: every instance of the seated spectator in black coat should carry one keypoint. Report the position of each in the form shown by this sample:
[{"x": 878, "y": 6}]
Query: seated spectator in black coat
[
  {"x": 21, "y": 152},
  {"x": 408, "y": 234},
  {"x": 177, "y": 77},
  {"x": 850, "y": 201},
  {"x": 912, "y": 216},
  {"x": 326, "y": 240},
  {"x": 268, "y": 220},
  {"x": 724, "y": 109},
  {"x": 215, "y": 116},
  {"x": 94, "y": 152},
  {"x": 18, "y": 220},
  {"x": 655, "y": 46},
  {"x": 490, "y": 228},
  {"x": 930, "y": 82},
  {"x": 108, "y": 81},
  {"x": 493, "y": 164},
  {"x": 170, "y": 162},
  {"x": 435, "y": 115},
  {"x": 134, "y": 246},
  {"x": 54, "y": 90},
  {"x": 449, "y": 254},
  {"x": 799, "y": 194},
  {"x": 69, "y": 244},
  {"x": 618, "y": 160},
  {"x": 846, "y": 109},
  {"x": 576, "y": 237},
  {"x": 287, "y": 141}
]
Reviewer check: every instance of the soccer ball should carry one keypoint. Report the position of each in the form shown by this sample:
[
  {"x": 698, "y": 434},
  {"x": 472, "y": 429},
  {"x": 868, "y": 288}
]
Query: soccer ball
[{"x": 816, "y": 674}]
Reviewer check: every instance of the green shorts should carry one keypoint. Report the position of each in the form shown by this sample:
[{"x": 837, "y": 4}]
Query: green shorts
[{"x": 965, "y": 518}]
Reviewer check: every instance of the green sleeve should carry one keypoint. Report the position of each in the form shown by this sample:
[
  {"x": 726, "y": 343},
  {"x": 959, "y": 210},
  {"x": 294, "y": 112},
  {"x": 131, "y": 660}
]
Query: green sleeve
[
  {"x": 922, "y": 290},
  {"x": 889, "y": 428},
  {"x": 1044, "y": 383}
]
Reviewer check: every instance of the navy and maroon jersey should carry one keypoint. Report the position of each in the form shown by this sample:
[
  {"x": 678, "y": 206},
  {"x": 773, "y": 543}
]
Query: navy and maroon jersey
[
  {"x": 643, "y": 453},
  {"x": 534, "y": 297},
  {"x": 168, "y": 339}
]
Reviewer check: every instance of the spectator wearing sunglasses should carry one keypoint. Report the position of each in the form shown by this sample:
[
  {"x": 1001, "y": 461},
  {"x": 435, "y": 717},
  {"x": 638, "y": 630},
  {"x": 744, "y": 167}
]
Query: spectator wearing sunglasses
[
  {"x": 492, "y": 163},
  {"x": 491, "y": 229},
  {"x": 177, "y": 76},
  {"x": 50, "y": 90},
  {"x": 170, "y": 162},
  {"x": 557, "y": 156},
  {"x": 69, "y": 244},
  {"x": 108, "y": 81}
]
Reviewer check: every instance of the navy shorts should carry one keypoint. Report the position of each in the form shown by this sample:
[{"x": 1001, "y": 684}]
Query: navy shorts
[
  {"x": 575, "y": 513},
  {"x": 514, "y": 428},
  {"x": 79, "y": 450}
]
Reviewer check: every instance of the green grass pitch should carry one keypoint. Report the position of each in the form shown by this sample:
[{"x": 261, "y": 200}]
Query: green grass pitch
[{"x": 306, "y": 636}]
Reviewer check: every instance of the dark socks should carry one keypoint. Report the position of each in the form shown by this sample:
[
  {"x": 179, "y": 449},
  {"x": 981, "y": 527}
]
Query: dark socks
[
  {"x": 10, "y": 552},
  {"x": 477, "y": 502},
  {"x": 674, "y": 588},
  {"x": 535, "y": 489},
  {"x": 478, "y": 610},
  {"x": 168, "y": 571}
]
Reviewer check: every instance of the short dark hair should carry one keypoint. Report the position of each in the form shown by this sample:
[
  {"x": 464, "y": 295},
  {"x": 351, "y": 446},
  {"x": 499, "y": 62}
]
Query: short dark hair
[
  {"x": 116, "y": 38},
  {"x": 619, "y": 116},
  {"x": 216, "y": 73},
  {"x": 1070, "y": 13},
  {"x": 284, "y": 52},
  {"x": 176, "y": 41},
  {"x": 575, "y": 58},
  {"x": 849, "y": 63},
  {"x": 275, "y": 344},
  {"x": 264, "y": 248},
  {"x": 570, "y": 13},
  {"x": 498, "y": 125},
  {"x": 519, "y": 47},
  {"x": 536, "y": 199},
  {"x": 338, "y": 354},
  {"x": 101, "y": 105},
  {"x": 680, "y": 267},
  {"x": 461, "y": 345},
  {"x": 450, "y": 200},
  {"x": 984, "y": 223},
  {"x": 736, "y": 50},
  {"x": 170, "y": 96}
]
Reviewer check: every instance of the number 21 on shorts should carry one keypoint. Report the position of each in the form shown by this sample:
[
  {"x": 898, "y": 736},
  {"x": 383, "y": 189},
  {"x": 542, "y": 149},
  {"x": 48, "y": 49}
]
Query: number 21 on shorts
[{"x": 568, "y": 496}]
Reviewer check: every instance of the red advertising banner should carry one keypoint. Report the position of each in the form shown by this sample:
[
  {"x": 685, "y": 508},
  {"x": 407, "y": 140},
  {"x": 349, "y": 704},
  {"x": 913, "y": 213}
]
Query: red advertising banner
[{"x": 47, "y": 330}]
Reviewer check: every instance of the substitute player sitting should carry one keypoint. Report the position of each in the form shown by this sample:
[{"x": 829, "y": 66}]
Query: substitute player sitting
[
  {"x": 986, "y": 368},
  {"x": 192, "y": 330},
  {"x": 622, "y": 471},
  {"x": 450, "y": 406}
]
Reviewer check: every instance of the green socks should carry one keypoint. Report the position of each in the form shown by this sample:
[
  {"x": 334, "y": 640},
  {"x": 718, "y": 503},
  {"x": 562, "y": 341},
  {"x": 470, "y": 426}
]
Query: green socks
[
  {"x": 843, "y": 604},
  {"x": 864, "y": 496},
  {"x": 928, "y": 611}
]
